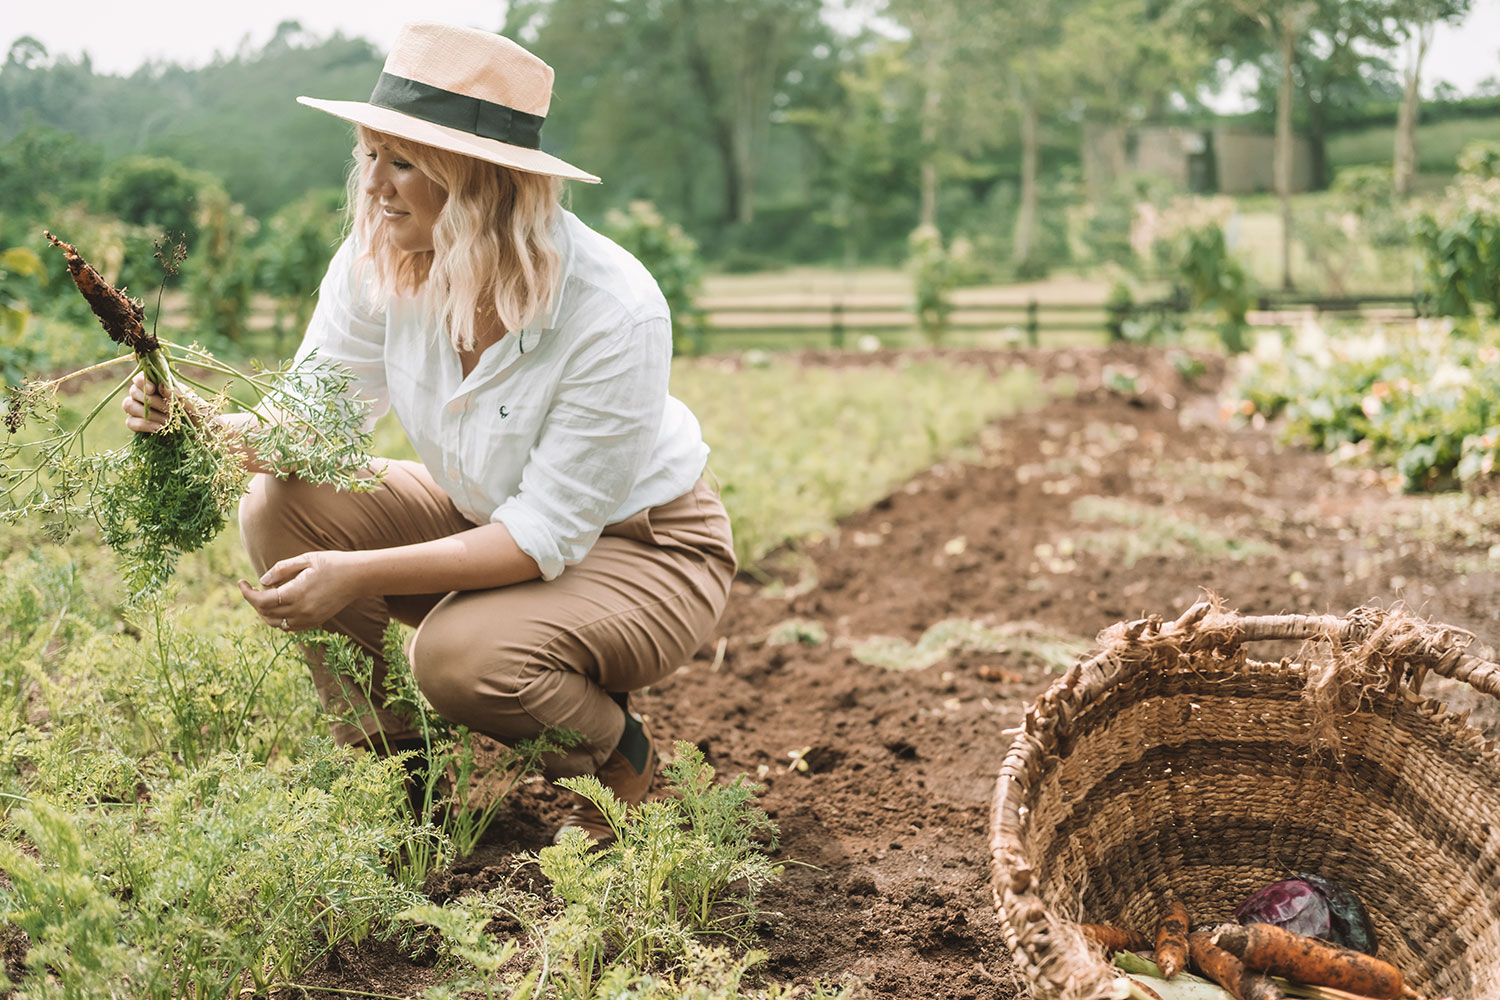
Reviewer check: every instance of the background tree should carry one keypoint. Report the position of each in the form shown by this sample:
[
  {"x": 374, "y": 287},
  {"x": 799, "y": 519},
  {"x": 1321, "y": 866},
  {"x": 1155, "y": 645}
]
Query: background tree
[
  {"x": 1412, "y": 24},
  {"x": 1338, "y": 65},
  {"x": 1240, "y": 25},
  {"x": 45, "y": 167},
  {"x": 1125, "y": 61},
  {"x": 864, "y": 166},
  {"x": 964, "y": 85},
  {"x": 716, "y": 72},
  {"x": 156, "y": 193}
]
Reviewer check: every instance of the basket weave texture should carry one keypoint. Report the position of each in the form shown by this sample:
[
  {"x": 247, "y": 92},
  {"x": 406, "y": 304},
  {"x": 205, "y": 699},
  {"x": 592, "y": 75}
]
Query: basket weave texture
[{"x": 1169, "y": 764}]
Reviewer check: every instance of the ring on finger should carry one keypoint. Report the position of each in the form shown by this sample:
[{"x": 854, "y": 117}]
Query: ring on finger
[{"x": 284, "y": 626}]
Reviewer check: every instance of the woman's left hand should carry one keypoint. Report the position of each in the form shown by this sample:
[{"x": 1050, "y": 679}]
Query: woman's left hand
[{"x": 304, "y": 591}]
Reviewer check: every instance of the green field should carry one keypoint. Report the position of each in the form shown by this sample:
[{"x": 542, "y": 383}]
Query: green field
[{"x": 1438, "y": 145}]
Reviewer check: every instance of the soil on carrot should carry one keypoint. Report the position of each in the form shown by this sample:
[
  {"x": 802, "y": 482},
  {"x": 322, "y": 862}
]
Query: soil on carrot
[{"x": 878, "y": 737}]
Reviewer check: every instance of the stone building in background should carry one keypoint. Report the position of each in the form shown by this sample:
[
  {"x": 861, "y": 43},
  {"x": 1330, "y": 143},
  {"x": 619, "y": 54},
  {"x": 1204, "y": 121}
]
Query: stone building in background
[{"x": 1224, "y": 159}]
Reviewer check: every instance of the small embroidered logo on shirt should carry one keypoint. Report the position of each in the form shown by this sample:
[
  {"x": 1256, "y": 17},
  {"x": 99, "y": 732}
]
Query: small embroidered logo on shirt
[{"x": 503, "y": 413}]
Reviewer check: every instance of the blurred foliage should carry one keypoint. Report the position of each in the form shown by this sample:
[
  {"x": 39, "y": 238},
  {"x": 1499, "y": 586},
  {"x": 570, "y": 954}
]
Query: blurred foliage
[
  {"x": 20, "y": 270},
  {"x": 1421, "y": 405},
  {"x": 1480, "y": 160},
  {"x": 671, "y": 256},
  {"x": 155, "y": 193},
  {"x": 221, "y": 278},
  {"x": 44, "y": 167},
  {"x": 1459, "y": 240},
  {"x": 1214, "y": 280},
  {"x": 936, "y": 271},
  {"x": 770, "y": 135},
  {"x": 299, "y": 241}
]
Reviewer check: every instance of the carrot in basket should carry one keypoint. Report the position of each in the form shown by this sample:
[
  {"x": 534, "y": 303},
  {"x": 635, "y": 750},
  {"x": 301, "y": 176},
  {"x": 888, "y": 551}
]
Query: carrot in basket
[
  {"x": 1229, "y": 972},
  {"x": 1172, "y": 940},
  {"x": 122, "y": 317},
  {"x": 1271, "y": 949},
  {"x": 1113, "y": 939}
]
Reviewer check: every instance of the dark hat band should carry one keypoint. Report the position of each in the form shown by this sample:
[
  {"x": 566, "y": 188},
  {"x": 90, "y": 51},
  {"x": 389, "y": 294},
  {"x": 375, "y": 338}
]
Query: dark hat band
[{"x": 467, "y": 114}]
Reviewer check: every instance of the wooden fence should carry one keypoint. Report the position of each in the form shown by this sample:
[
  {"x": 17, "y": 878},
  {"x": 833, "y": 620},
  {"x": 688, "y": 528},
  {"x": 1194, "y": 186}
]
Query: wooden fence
[{"x": 839, "y": 318}]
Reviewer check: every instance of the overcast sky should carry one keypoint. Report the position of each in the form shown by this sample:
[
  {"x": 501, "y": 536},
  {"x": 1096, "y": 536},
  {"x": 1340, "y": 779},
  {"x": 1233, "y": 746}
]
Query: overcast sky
[{"x": 119, "y": 35}]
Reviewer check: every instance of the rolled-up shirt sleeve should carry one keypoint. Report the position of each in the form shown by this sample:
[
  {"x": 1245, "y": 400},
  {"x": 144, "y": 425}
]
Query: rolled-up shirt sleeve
[
  {"x": 599, "y": 432},
  {"x": 348, "y": 329}
]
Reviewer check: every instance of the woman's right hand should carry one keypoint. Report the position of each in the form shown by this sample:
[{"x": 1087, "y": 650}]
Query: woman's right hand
[{"x": 145, "y": 405}]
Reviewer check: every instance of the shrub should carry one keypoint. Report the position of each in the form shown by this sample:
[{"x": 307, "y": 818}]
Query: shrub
[
  {"x": 936, "y": 271},
  {"x": 299, "y": 241},
  {"x": 628, "y": 919},
  {"x": 221, "y": 275},
  {"x": 1214, "y": 280},
  {"x": 1459, "y": 240},
  {"x": 1421, "y": 405}
]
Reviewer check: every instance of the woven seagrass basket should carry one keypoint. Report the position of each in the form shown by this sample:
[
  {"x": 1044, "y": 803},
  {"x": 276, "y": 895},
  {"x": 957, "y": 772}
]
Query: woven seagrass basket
[{"x": 1171, "y": 764}]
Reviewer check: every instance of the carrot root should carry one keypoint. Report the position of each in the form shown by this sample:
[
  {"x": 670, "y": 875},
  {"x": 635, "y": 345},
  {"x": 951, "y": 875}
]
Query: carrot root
[
  {"x": 122, "y": 317},
  {"x": 1228, "y": 971},
  {"x": 1112, "y": 939},
  {"x": 1172, "y": 940},
  {"x": 1270, "y": 949}
]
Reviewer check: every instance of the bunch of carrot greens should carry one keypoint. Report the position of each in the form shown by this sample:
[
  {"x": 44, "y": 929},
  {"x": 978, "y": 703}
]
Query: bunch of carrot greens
[{"x": 169, "y": 493}]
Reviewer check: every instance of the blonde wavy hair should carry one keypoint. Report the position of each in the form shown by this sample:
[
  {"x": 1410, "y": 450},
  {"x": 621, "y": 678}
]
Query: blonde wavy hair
[{"x": 492, "y": 241}]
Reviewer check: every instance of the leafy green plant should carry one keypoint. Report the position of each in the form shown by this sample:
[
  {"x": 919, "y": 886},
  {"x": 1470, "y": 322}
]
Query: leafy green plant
[
  {"x": 445, "y": 776},
  {"x": 1422, "y": 404},
  {"x": 174, "y": 690},
  {"x": 171, "y": 492},
  {"x": 936, "y": 272},
  {"x": 1214, "y": 280},
  {"x": 71, "y": 921},
  {"x": 628, "y": 919},
  {"x": 227, "y": 878},
  {"x": 1459, "y": 240},
  {"x": 672, "y": 862}
]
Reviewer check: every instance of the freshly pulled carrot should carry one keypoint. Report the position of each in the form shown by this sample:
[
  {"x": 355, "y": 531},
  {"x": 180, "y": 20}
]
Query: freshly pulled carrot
[
  {"x": 1172, "y": 940},
  {"x": 1271, "y": 949},
  {"x": 122, "y": 317},
  {"x": 1113, "y": 939},
  {"x": 1229, "y": 972}
]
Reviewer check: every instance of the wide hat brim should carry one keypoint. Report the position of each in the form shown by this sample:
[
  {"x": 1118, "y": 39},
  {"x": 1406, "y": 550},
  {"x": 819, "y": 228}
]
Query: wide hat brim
[{"x": 532, "y": 161}]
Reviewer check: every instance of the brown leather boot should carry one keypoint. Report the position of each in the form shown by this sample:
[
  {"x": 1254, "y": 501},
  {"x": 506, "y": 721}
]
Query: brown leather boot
[{"x": 629, "y": 785}]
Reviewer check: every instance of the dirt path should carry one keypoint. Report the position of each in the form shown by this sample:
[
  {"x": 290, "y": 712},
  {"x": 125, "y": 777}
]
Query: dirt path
[
  {"x": 893, "y": 810},
  {"x": 889, "y": 821}
]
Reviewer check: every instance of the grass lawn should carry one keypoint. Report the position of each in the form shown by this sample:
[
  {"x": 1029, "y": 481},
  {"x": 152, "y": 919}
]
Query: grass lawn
[{"x": 1438, "y": 144}]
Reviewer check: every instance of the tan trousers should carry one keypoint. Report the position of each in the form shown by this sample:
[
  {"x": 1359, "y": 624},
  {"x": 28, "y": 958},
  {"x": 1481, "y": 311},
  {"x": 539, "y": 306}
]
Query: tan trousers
[{"x": 513, "y": 661}]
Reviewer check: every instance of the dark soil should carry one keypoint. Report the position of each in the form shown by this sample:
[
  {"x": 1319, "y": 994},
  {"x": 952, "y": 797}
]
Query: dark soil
[{"x": 889, "y": 822}]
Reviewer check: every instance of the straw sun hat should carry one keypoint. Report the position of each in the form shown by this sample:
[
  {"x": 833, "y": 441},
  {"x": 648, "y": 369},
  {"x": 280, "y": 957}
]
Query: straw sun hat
[{"x": 463, "y": 90}]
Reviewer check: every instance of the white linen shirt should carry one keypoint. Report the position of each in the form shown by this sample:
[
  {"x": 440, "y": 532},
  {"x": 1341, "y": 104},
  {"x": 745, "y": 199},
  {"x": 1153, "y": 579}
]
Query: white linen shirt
[{"x": 560, "y": 429}]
